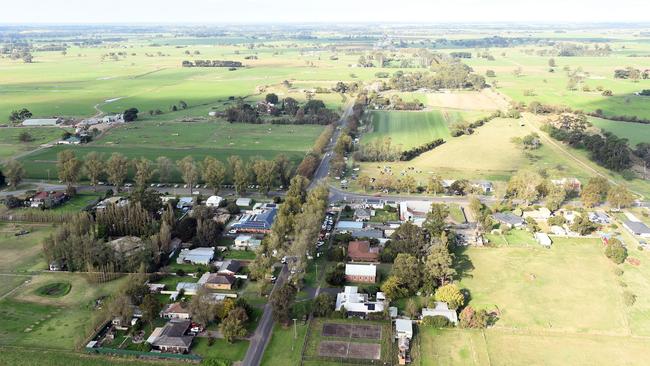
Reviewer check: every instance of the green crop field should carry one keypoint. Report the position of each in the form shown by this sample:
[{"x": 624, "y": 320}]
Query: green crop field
[
  {"x": 407, "y": 129},
  {"x": 634, "y": 132},
  {"x": 177, "y": 140},
  {"x": 10, "y": 145}
]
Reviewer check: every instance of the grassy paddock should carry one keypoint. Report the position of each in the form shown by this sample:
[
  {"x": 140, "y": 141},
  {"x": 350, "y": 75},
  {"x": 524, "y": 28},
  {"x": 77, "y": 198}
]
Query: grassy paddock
[
  {"x": 408, "y": 129},
  {"x": 22, "y": 253}
]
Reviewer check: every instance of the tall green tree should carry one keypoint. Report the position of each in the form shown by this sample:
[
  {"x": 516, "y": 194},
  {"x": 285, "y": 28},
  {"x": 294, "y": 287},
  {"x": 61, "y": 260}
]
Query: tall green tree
[
  {"x": 438, "y": 267},
  {"x": 15, "y": 173},
  {"x": 117, "y": 167},
  {"x": 406, "y": 268},
  {"x": 94, "y": 168},
  {"x": 619, "y": 196},
  {"x": 594, "y": 192},
  {"x": 435, "y": 222},
  {"x": 281, "y": 302},
  {"x": 189, "y": 171},
  {"x": 144, "y": 171},
  {"x": 69, "y": 167},
  {"x": 164, "y": 168},
  {"x": 214, "y": 173},
  {"x": 265, "y": 174}
]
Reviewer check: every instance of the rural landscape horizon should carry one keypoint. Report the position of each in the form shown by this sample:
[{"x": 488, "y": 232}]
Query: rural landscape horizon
[{"x": 324, "y": 183}]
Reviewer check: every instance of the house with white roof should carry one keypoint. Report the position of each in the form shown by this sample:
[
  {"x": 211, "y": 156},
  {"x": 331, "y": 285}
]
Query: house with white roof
[
  {"x": 202, "y": 255},
  {"x": 441, "y": 309},
  {"x": 355, "y": 272},
  {"x": 213, "y": 201},
  {"x": 246, "y": 242},
  {"x": 403, "y": 328},
  {"x": 358, "y": 304},
  {"x": 415, "y": 211},
  {"x": 243, "y": 202}
]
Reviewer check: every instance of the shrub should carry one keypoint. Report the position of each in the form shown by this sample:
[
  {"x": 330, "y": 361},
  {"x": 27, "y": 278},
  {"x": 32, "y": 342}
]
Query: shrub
[
  {"x": 470, "y": 318},
  {"x": 618, "y": 272},
  {"x": 451, "y": 295},
  {"x": 629, "y": 298},
  {"x": 615, "y": 251},
  {"x": 437, "y": 321}
]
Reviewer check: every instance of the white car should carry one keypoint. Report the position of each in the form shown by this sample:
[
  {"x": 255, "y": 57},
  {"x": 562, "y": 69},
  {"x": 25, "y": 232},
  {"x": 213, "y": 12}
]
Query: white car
[{"x": 232, "y": 231}]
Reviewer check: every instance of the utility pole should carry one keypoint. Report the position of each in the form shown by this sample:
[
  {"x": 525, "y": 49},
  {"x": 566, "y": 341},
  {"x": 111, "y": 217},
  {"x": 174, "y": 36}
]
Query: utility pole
[{"x": 295, "y": 334}]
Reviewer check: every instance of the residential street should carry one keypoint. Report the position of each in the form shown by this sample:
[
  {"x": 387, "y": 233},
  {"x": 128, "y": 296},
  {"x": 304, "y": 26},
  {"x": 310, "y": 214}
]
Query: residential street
[{"x": 262, "y": 334}]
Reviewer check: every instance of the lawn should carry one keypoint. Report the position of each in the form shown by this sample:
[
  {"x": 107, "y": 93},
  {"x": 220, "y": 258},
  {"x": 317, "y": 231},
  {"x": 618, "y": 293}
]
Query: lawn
[
  {"x": 538, "y": 288},
  {"x": 385, "y": 216},
  {"x": 407, "y": 129},
  {"x": 220, "y": 349},
  {"x": 31, "y": 357},
  {"x": 22, "y": 253},
  {"x": 79, "y": 202},
  {"x": 30, "y": 319},
  {"x": 279, "y": 350}
]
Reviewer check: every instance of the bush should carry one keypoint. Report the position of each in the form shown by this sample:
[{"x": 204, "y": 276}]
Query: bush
[
  {"x": 470, "y": 318},
  {"x": 629, "y": 298},
  {"x": 336, "y": 276},
  {"x": 618, "y": 272},
  {"x": 615, "y": 251},
  {"x": 437, "y": 321}
]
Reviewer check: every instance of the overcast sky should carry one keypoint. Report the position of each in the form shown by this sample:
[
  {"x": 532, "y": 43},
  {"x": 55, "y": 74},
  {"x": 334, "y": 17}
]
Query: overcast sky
[{"x": 280, "y": 11}]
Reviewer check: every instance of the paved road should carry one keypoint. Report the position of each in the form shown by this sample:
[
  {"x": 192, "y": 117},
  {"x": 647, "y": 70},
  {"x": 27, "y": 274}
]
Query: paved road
[
  {"x": 324, "y": 166},
  {"x": 262, "y": 334}
]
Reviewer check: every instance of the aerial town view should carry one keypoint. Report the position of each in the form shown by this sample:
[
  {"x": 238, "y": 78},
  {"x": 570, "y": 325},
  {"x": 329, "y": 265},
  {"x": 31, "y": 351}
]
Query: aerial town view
[{"x": 324, "y": 183}]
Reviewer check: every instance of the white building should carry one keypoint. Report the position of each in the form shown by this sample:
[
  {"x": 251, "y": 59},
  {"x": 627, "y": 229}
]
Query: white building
[
  {"x": 366, "y": 273},
  {"x": 543, "y": 239},
  {"x": 403, "y": 328},
  {"x": 441, "y": 309},
  {"x": 357, "y": 304},
  {"x": 213, "y": 201},
  {"x": 415, "y": 211},
  {"x": 42, "y": 122},
  {"x": 243, "y": 202},
  {"x": 196, "y": 256},
  {"x": 246, "y": 242}
]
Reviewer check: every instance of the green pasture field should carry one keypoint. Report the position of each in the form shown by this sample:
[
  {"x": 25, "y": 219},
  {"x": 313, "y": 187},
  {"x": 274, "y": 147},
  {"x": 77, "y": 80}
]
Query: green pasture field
[
  {"x": 10, "y": 145},
  {"x": 29, "y": 319},
  {"x": 551, "y": 88},
  {"x": 538, "y": 294},
  {"x": 574, "y": 271},
  {"x": 221, "y": 349},
  {"x": 407, "y": 129},
  {"x": 29, "y": 357},
  {"x": 491, "y": 154},
  {"x": 22, "y": 253},
  {"x": 634, "y": 132}
]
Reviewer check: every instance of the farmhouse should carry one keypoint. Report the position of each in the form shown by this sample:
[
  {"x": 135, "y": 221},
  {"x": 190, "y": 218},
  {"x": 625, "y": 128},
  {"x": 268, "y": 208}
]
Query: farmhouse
[
  {"x": 508, "y": 219},
  {"x": 229, "y": 268},
  {"x": 415, "y": 211},
  {"x": 48, "y": 199},
  {"x": 441, "y": 309},
  {"x": 360, "y": 251},
  {"x": 213, "y": 201},
  {"x": 42, "y": 122},
  {"x": 256, "y": 222},
  {"x": 196, "y": 256},
  {"x": 173, "y": 337},
  {"x": 484, "y": 185},
  {"x": 217, "y": 281},
  {"x": 599, "y": 217},
  {"x": 363, "y": 214},
  {"x": 637, "y": 228},
  {"x": 356, "y": 304},
  {"x": 543, "y": 239},
  {"x": 246, "y": 242},
  {"x": 366, "y": 273},
  {"x": 175, "y": 311}
]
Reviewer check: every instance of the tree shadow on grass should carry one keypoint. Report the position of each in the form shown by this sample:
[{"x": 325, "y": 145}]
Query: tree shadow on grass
[{"x": 462, "y": 263}]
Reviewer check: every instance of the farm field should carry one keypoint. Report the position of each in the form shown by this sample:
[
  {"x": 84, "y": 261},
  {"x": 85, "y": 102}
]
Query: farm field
[
  {"x": 634, "y": 132},
  {"x": 22, "y": 253},
  {"x": 407, "y": 129},
  {"x": 10, "y": 145},
  {"x": 551, "y": 88},
  {"x": 31, "y": 319}
]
